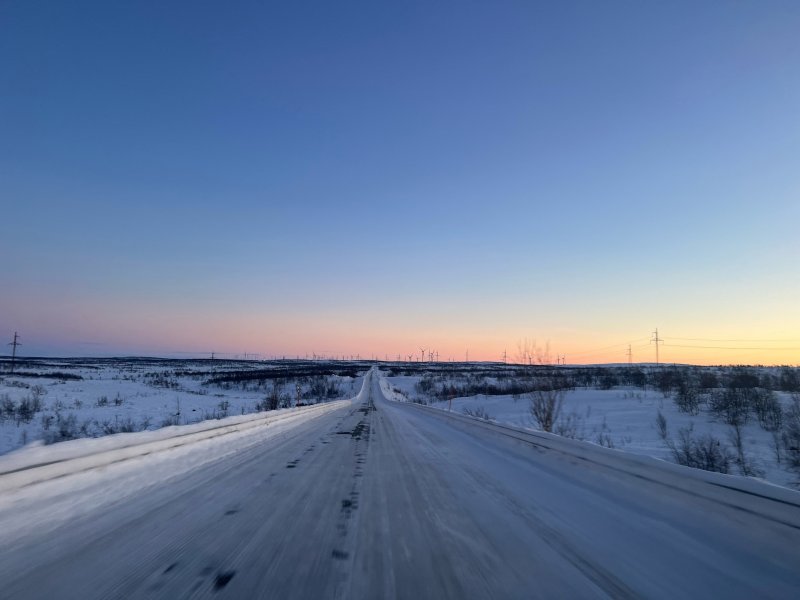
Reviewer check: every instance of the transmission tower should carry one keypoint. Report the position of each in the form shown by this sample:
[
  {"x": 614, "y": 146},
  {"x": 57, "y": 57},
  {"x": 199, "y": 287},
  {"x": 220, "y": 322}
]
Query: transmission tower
[
  {"x": 657, "y": 341},
  {"x": 630, "y": 355},
  {"x": 14, "y": 345}
]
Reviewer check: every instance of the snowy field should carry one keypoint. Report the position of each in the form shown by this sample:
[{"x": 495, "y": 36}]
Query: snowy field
[
  {"x": 48, "y": 401},
  {"x": 623, "y": 418},
  {"x": 368, "y": 498},
  {"x": 56, "y": 400}
]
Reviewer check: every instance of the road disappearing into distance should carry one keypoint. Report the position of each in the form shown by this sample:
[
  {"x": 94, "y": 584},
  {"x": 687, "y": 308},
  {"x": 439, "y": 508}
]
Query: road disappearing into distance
[{"x": 370, "y": 498}]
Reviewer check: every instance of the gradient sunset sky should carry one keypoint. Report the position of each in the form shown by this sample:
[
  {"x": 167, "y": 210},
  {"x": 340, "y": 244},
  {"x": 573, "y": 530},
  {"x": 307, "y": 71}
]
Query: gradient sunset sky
[{"x": 371, "y": 177}]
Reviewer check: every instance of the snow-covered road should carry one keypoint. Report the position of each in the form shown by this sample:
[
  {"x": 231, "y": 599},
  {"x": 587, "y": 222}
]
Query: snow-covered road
[{"x": 374, "y": 499}]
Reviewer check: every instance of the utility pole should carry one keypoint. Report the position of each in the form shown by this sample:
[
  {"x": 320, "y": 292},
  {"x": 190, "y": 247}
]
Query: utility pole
[
  {"x": 505, "y": 356},
  {"x": 14, "y": 345},
  {"x": 630, "y": 355},
  {"x": 657, "y": 340}
]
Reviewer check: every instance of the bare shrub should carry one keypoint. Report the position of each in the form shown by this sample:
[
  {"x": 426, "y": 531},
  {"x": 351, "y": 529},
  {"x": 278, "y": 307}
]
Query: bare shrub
[
  {"x": 704, "y": 452},
  {"x": 47, "y": 420},
  {"x": 164, "y": 380},
  {"x": 274, "y": 399},
  {"x": 661, "y": 425},
  {"x": 322, "y": 387},
  {"x": 28, "y": 407},
  {"x": 65, "y": 428},
  {"x": 332, "y": 388},
  {"x": 603, "y": 435},
  {"x": 607, "y": 381},
  {"x": 118, "y": 426},
  {"x": 223, "y": 407},
  {"x": 570, "y": 426},
  {"x": 745, "y": 464},
  {"x": 687, "y": 397},
  {"x": 708, "y": 380},
  {"x": 791, "y": 434},
  {"x": 666, "y": 380},
  {"x": 546, "y": 403},
  {"x": 777, "y": 446},
  {"x": 173, "y": 418},
  {"x": 732, "y": 405},
  {"x": 768, "y": 410},
  {"x": 38, "y": 391},
  {"x": 479, "y": 413},
  {"x": 8, "y": 408}
]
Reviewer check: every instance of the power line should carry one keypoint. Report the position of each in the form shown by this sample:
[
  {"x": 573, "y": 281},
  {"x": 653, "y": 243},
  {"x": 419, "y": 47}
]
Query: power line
[
  {"x": 732, "y": 347},
  {"x": 600, "y": 352},
  {"x": 727, "y": 340},
  {"x": 605, "y": 347}
]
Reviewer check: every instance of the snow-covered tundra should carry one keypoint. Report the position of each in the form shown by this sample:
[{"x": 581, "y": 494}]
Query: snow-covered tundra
[{"x": 736, "y": 420}]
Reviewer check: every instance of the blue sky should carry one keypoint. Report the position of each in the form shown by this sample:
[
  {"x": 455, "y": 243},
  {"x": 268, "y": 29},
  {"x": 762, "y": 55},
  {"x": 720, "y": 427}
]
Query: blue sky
[{"x": 354, "y": 176}]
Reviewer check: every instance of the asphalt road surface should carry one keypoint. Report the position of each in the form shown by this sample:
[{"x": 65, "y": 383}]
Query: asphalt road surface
[{"x": 378, "y": 499}]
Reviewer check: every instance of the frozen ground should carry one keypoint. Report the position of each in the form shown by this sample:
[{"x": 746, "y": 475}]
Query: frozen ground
[
  {"x": 623, "y": 418},
  {"x": 380, "y": 499},
  {"x": 92, "y": 398}
]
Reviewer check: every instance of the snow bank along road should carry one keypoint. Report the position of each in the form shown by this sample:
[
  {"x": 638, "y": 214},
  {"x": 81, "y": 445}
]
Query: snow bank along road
[{"x": 373, "y": 499}]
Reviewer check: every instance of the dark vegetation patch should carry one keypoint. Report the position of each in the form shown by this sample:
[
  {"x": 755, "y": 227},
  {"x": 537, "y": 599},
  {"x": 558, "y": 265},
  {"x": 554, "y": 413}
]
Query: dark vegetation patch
[
  {"x": 456, "y": 381},
  {"x": 49, "y": 375},
  {"x": 283, "y": 373}
]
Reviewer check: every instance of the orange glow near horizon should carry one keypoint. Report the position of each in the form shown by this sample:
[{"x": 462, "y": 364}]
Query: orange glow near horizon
[
  {"x": 80, "y": 326},
  {"x": 277, "y": 342}
]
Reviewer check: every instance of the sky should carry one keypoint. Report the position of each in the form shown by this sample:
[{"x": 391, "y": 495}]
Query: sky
[{"x": 343, "y": 178}]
